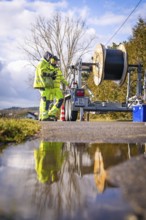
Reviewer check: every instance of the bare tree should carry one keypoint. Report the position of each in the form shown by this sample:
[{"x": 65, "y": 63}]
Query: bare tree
[{"x": 63, "y": 36}]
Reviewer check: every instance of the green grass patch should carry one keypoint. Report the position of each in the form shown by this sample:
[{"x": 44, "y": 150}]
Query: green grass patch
[{"x": 17, "y": 130}]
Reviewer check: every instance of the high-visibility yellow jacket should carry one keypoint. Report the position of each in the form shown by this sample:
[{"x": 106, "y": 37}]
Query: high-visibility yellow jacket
[
  {"x": 42, "y": 75},
  {"x": 59, "y": 79},
  {"x": 42, "y": 79}
]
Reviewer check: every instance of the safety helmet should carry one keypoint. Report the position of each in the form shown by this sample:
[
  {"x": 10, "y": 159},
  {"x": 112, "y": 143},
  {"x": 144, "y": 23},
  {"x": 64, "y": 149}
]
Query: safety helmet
[
  {"x": 56, "y": 58},
  {"x": 53, "y": 59},
  {"x": 47, "y": 56}
]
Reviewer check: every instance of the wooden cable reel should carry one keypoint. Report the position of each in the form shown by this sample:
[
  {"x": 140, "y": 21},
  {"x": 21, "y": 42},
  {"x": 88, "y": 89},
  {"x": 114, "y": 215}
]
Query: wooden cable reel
[{"x": 112, "y": 64}]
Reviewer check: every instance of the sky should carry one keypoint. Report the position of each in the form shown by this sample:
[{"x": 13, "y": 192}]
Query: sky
[{"x": 104, "y": 17}]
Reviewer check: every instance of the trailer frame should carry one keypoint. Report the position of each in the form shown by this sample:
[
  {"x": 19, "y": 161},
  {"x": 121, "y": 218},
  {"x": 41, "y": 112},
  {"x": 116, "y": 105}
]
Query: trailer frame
[{"x": 75, "y": 103}]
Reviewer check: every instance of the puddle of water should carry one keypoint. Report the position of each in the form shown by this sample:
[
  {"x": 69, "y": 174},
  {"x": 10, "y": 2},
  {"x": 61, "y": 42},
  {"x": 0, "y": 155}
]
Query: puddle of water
[{"x": 47, "y": 181}]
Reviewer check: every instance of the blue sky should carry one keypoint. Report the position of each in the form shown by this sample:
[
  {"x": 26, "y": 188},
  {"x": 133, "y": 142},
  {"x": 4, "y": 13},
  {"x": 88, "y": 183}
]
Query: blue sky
[{"x": 103, "y": 17}]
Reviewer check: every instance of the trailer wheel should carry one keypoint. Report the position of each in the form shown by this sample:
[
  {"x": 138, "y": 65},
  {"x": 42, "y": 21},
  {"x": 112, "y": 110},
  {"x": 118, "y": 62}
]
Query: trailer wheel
[
  {"x": 66, "y": 110},
  {"x": 72, "y": 114}
]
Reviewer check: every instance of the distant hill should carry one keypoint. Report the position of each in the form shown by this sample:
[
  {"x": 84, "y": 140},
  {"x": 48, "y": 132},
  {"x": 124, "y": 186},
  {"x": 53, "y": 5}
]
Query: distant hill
[
  {"x": 18, "y": 111},
  {"x": 18, "y": 108}
]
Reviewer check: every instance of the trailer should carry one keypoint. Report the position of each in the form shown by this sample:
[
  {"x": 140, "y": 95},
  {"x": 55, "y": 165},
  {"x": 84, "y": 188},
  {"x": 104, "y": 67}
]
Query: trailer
[{"x": 108, "y": 64}]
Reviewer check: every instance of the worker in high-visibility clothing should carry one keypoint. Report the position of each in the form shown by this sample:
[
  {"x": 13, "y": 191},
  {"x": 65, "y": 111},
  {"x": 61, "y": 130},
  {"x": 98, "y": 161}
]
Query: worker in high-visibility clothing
[
  {"x": 44, "y": 82},
  {"x": 48, "y": 161},
  {"x": 57, "y": 93},
  {"x": 46, "y": 74}
]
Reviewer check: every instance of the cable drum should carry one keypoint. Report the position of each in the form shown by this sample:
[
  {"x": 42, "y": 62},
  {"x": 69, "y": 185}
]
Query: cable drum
[{"x": 110, "y": 64}]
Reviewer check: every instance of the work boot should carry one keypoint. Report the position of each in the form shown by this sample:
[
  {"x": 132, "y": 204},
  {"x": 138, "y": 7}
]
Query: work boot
[
  {"x": 52, "y": 117},
  {"x": 45, "y": 119}
]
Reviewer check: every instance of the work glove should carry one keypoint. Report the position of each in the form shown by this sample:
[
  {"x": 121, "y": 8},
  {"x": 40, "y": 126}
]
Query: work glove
[
  {"x": 53, "y": 75},
  {"x": 45, "y": 74}
]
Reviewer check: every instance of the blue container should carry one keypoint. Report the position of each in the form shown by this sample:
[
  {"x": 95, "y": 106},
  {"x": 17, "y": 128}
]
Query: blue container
[{"x": 139, "y": 113}]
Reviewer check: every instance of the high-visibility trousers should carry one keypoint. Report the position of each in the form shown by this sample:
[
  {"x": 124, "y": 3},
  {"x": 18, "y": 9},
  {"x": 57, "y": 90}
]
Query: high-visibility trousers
[
  {"x": 47, "y": 97},
  {"x": 58, "y": 100}
]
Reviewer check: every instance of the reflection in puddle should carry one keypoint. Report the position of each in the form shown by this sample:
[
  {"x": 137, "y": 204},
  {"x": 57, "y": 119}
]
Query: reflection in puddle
[
  {"x": 99, "y": 171},
  {"x": 48, "y": 161},
  {"x": 42, "y": 180}
]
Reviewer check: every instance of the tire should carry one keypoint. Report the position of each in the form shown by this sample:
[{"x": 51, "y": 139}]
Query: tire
[
  {"x": 72, "y": 114},
  {"x": 66, "y": 110}
]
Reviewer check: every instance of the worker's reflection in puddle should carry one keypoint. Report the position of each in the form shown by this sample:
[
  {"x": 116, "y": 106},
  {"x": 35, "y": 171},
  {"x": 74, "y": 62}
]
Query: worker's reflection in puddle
[
  {"x": 99, "y": 171},
  {"x": 48, "y": 161}
]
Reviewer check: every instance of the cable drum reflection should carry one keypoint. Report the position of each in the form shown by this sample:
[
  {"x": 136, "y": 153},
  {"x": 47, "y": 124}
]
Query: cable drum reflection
[{"x": 99, "y": 171}]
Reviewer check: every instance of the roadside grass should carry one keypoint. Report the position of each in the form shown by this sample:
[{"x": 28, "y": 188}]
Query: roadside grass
[
  {"x": 113, "y": 116},
  {"x": 17, "y": 130}
]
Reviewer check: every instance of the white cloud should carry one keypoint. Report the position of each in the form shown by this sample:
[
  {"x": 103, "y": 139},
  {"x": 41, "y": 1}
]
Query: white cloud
[
  {"x": 84, "y": 12},
  {"x": 76, "y": 12},
  {"x": 9, "y": 13},
  {"x": 18, "y": 70},
  {"x": 16, "y": 17},
  {"x": 14, "y": 87},
  {"x": 106, "y": 19},
  {"x": 46, "y": 9}
]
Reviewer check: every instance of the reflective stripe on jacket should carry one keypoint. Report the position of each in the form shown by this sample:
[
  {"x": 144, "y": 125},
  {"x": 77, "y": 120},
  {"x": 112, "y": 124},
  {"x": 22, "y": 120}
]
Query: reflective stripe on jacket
[{"x": 40, "y": 80}]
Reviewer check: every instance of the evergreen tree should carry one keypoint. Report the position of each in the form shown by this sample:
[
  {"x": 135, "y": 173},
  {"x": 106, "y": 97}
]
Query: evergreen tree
[{"x": 136, "y": 46}]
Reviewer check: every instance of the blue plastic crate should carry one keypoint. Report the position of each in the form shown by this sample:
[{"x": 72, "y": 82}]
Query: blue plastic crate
[{"x": 139, "y": 113}]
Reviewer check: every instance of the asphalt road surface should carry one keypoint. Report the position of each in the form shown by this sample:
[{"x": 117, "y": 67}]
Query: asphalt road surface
[{"x": 94, "y": 132}]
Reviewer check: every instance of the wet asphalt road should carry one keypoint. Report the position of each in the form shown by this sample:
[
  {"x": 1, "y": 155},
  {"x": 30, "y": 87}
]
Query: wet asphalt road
[{"x": 101, "y": 132}]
